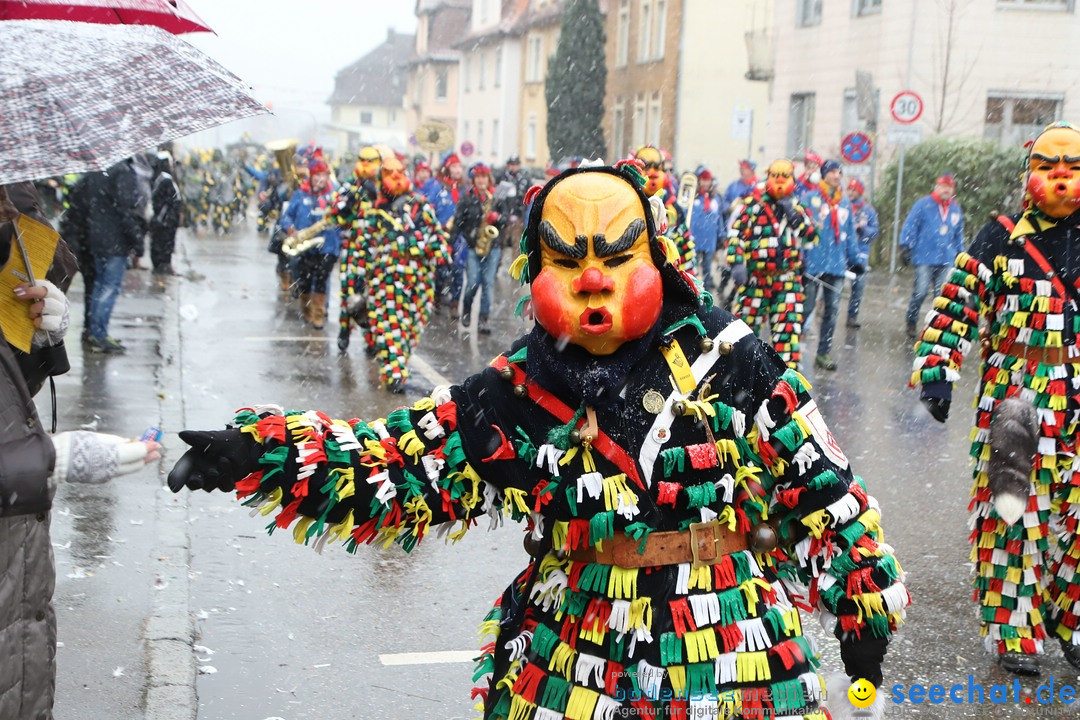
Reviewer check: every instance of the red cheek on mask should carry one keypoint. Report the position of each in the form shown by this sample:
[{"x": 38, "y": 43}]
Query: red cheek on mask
[
  {"x": 1037, "y": 187},
  {"x": 549, "y": 306},
  {"x": 641, "y": 305}
]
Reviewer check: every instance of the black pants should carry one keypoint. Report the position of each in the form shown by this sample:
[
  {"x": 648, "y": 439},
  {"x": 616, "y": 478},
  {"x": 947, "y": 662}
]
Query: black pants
[
  {"x": 162, "y": 245},
  {"x": 313, "y": 272},
  {"x": 86, "y": 267}
]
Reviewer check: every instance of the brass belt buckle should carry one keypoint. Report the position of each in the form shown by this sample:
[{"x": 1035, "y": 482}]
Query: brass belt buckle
[{"x": 704, "y": 538}]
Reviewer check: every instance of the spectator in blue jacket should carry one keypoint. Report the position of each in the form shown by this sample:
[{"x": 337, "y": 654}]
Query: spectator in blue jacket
[
  {"x": 825, "y": 263},
  {"x": 866, "y": 229},
  {"x": 706, "y": 226},
  {"x": 932, "y": 236},
  {"x": 306, "y": 207},
  {"x": 738, "y": 189}
]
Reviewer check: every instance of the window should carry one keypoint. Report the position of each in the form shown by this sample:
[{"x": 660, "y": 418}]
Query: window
[
  {"x": 849, "y": 119},
  {"x": 535, "y": 59},
  {"x": 654, "y": 120},
  {"x": 483, "y": 11},
  {"x": 442, "y": 80},
  {"x": 1066, "y": 5},
  {"x": 867, "y": 7},
  {"x": 622, "y": 36},
  {"x": 644, "y": 31},
  {"x": 365, "y": 117},
  {"x": 393, "y": 116},
  {"x": 466, "y": 70},
  {"x": 465, "y": 134},
  {"x": 530, "y": 138},
  {"x": 800, "y": 123},
  {"x": 497, "y": 80},
  {"x": 479, "y": 136},
  {"x": 618, "y": 129},
  {"x": 638, "y": 122},
  {"x": 661, "y": 29},
  {"x": 483, "y": 71},
  {"x": 495, "y": 138},
  {"x": 808, "y": 12},
  {"x": 1014, "y": 118},
  {"x": 418, "y": 87}
]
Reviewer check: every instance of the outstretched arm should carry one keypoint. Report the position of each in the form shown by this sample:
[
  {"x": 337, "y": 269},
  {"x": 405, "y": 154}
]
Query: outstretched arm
[{"x": 355, "y": 482}]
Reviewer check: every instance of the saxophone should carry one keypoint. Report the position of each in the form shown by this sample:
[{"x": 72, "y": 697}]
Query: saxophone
[
  {"x": 303, "y": 240},
  {"x": 487, "y": 234}
]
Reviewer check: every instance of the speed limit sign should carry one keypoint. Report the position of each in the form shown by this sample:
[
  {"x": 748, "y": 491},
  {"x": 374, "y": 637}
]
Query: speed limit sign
[{"x": 906, "y": 107}]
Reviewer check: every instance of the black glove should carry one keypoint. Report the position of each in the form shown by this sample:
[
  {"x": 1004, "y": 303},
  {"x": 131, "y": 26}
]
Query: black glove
[
  {"x": 905, "y": 255},
  {"x": 862, "y": 657},
  {"x": 857, "y": 268},
  {"x": 216, "y": 461},
  {"x": 738, "y": 275},
  {"x": 937, "y": 397}
]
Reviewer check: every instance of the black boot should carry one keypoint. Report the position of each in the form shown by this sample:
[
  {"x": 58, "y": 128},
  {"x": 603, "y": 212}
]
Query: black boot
[
  {"x": 483, "y": 328},
  {"x": 1072, "y": 653},
  {"x": 343, "y": 340},
  {"x": 1019, "y": 663}
]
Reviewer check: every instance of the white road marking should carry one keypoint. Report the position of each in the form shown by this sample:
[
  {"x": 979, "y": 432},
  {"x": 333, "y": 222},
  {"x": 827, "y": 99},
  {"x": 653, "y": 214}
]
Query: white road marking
[
  {"x": 434, "y": 376},
  {"x": 429, "y": 658},
  {"x": 288, "y": 338}
]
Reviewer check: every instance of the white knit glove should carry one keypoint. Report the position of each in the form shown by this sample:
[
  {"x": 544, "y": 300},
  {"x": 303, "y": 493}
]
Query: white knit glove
[
  {"x": 90, "y": 457},
  {"x": 50, "y": 313}
]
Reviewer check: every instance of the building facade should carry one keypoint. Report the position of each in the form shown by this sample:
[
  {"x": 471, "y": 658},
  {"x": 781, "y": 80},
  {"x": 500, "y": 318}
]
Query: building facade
[
  {"x": 980, "y": 68},
  {"x": 539, "y": 33},
  {"x": 642, "y": 55},
  {"x": 432, "y": 82},
  {"x": 368, "y": 102},
  {"x": 489, "y": 99}
]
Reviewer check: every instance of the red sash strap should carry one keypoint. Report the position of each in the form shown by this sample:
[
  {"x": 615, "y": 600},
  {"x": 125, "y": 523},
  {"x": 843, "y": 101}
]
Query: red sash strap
[
  {"x": 563, "y": 413},
  {"x": 1035, "y": 254}
]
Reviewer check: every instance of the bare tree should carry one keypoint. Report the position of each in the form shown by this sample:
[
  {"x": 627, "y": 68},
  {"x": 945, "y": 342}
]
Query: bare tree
[{"x": 951, "y": 73}]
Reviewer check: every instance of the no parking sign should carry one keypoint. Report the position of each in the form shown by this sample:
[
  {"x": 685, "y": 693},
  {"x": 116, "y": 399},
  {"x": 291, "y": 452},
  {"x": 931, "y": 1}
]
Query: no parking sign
[{"x": 856, "y": 147}]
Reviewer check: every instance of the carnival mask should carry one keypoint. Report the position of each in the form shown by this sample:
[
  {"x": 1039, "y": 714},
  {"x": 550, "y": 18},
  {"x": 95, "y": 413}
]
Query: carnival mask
[
  {"x": 394, "y": 180},
  {"x": 597, "y": 286},
  {"x": 367, "y": 163},
  {"x": 1053, "y": 177},
  {"x": 780, "y": 179},
  {"x": 654, "y": 169}
]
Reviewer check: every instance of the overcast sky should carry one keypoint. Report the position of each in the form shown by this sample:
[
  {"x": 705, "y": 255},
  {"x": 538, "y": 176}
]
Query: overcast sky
[{"x": 289, "y": 50}]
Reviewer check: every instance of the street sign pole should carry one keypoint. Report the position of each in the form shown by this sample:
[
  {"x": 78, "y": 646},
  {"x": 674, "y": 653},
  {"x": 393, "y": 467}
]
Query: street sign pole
[{"x": 896, "y": 214}]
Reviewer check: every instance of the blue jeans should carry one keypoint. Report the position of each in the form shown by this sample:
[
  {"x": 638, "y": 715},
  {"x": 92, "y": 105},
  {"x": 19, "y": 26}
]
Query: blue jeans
[
  {"x": 705, "y": 263},
  {"x": 857, "y": 287},
  {"x": 480, "y": 273},
  {"x": 108, "y": 277},
  {"x": 927, "y": 278},
  {"x": 829, "y": 286}
]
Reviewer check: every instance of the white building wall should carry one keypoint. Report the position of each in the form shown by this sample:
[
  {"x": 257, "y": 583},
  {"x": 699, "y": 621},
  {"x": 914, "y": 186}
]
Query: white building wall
[{"x": 996, "y": 47}]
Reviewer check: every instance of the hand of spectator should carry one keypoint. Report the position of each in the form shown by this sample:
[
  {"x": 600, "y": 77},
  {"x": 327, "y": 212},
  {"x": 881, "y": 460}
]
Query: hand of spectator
[
  {"x": 90, "y": 457},
  {"x": 47, "y": 305}
]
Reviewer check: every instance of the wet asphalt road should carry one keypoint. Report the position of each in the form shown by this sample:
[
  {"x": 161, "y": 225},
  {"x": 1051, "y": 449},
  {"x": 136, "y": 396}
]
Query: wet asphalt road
[{"x": 286, "y": 633}]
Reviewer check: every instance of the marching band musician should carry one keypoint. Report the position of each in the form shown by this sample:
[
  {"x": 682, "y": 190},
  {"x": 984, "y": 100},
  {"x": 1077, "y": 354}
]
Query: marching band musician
[{"x": 306, "y": 207}]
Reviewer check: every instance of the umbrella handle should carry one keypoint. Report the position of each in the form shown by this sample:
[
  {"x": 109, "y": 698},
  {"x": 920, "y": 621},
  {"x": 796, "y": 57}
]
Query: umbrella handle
[{"x": 10, "y": 213}]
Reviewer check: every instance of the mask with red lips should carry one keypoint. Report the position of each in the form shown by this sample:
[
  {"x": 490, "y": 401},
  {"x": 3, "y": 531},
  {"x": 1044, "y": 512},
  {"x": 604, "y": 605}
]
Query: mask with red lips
[
  {"x": 653, "y": 160},
  {"x": 1053, "y": 176},
  {"x": 780, "y": 179},
  {"x": 598, "y": 286}
]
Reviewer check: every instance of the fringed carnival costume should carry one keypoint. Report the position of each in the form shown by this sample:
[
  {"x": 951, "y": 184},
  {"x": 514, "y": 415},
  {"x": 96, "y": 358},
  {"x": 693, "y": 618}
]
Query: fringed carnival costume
[{"x": 681, "y": 494}]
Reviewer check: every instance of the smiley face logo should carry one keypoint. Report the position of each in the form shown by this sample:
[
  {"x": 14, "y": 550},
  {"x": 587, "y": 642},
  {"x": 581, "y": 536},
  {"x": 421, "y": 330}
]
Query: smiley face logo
[{"x": 861, "y": 694}]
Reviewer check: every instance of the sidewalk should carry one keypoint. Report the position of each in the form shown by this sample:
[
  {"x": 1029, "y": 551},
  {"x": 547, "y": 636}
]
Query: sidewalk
[{"x": 124, "y": 625}]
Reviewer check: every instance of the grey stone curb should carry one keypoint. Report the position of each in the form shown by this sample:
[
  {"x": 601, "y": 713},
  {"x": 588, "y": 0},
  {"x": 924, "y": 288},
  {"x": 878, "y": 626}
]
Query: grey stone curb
[{"x": 170, "y": 630}]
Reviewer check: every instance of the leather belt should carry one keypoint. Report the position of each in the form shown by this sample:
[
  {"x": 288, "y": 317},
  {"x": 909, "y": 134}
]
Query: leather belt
[
  {"x": 1033, "y": 353},
  {"x": 703, "y": 544}
]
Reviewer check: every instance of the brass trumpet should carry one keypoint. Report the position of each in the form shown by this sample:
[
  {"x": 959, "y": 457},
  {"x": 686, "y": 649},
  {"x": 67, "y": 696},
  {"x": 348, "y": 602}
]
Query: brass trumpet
[{"x": 303, "y": 240}]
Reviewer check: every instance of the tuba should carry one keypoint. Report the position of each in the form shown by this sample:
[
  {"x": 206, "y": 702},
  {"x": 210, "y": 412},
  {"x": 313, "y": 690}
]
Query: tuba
[
  {"x": 284, "y": 152},
  {"x": 487, "y": 234}
]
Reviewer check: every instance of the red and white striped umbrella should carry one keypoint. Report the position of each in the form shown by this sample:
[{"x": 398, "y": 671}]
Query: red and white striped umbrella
[
  {"x": 173, "y": 16},
  {"x": 76, "y": 97}
]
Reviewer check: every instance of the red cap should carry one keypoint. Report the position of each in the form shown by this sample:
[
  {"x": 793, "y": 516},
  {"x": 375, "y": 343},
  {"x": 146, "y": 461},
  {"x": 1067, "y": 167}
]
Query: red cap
[
  {"x": 855, "y": 185},
  {"x": 946, "y": 179},
  {"x": 705, "y": 175},
  {"x": 813, "y": 157},
  {"x": 422, "y": 165},
  {"x": 317, "y": 164},
  {"x": 450, "y": 160}
]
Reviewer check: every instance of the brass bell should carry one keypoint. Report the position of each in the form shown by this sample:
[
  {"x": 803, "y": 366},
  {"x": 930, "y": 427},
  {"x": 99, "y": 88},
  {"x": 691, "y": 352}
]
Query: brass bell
[
  {"x": 507, "y": 373},
  {"x": 725, "y": 347},
  {"x": 706, "y": 345},
  {"x": 763, "y": 538},
  {"x": 986, "y": 344},
  {"x": 521, "y": 391},
  {"x": 575, "y": 437},
  {"x": 535, "y": 548},
  {"x": 678, "y": 408}
]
